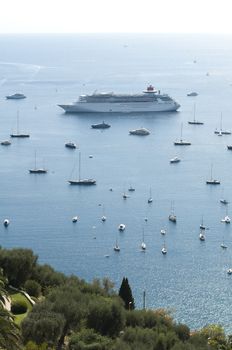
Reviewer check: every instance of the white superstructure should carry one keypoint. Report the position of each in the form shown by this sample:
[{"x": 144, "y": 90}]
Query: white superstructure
[{"x": 149, "y": 100}]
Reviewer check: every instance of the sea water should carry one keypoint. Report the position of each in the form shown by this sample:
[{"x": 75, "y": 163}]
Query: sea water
[{"x": 191, "y": 279}]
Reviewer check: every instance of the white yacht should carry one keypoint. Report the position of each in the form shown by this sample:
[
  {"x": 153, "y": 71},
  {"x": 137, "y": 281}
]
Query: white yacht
[
  {"x": 163, "y": 232},
  {"x": 229, "y": 271},
  {"x": 75, "y": 219},
  {"x": 15, "y": 97},
  {"x": 191, "y": 94},
  {"x": 140, "y": 132},
  {"x": 175, "y": 160},
  {"x": 121, "y": 227},
  {"x": 150, "y": 100}
]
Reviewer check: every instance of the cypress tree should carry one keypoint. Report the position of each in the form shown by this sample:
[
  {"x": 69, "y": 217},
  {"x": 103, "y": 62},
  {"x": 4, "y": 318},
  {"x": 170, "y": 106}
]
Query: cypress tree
[{"x": 126, "y": 294}]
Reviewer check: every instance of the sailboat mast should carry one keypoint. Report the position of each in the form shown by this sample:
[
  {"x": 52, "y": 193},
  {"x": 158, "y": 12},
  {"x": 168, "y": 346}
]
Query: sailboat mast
[
  {"x": 181, "y": 131},
  {"x": 79, "y": 166},
  {"x": 194, "y": 112},
  {"x": 17, "y": 122},
  {"x": 35, "y": 159}
]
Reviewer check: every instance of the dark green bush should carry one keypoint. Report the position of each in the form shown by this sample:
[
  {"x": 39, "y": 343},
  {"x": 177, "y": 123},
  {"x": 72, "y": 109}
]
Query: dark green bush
[
  {"x": 19, "y": 307},
  {"x": 33, "y": 288}
]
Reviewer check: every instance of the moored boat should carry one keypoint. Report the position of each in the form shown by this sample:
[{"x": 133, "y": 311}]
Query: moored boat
[{"x": 150, "y": 100}]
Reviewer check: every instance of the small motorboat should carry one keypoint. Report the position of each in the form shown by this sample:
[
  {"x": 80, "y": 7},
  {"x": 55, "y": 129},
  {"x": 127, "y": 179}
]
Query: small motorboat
[
  {"x": 121, "y": 227},
  {"x": 201, "y": 237},
  {"x": 143, "y": 246},
  {"x": 175, "y": 160},
  {"x": 172, "y": 218},
  {"x": 226, "y": 219},
  {"x": 70, "y": 145},
  {"x": 75, "y": 219},
  {"x": 191, "y": 94},
  {"x": 125, "y": 196},
  {"x": 102, "y": 125},
  {"x": 164, "y": 250},
  {"x": 15, "y": 97},
  {"x": 163, "y": 232},
  {"x": 224, "y": 246},
  {"x": 229, "y": 148},
  {"x": 229, "y": 271},
  {"x": 6, "y": 222},
  {"x": 103, "y": 218},
  {"x": 224, "y": 201},
  {"x": 6, "y": 143},
  {"x": 131, "y": 189}
]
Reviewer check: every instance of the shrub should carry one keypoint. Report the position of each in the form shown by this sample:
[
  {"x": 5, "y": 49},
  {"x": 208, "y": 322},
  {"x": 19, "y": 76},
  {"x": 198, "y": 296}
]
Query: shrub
[
  {"x": 33, "y": 288},
  {"x": 19, "y": 307}
]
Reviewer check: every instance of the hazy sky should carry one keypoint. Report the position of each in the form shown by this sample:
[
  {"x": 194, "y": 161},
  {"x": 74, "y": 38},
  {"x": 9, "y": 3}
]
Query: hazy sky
[{"x": 62, "y": 16}]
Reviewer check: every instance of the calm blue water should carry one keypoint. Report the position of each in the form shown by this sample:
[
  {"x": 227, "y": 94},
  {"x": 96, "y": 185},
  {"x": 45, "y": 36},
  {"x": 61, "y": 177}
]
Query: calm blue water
[{"x": 191, "y": 279}]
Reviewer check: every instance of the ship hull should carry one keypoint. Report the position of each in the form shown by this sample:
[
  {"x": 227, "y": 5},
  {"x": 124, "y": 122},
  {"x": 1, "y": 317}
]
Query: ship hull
[{"x": 133, "y": 107}]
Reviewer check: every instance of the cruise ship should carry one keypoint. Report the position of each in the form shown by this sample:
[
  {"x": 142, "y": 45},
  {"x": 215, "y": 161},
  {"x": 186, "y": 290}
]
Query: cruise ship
[{"x": 150, "y": 100}]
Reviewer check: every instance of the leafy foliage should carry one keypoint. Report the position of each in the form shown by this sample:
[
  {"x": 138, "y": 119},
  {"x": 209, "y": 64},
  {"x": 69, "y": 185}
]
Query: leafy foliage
[
  {"x": 33, "y": 288},
  {"x": 17, "y": 265}
]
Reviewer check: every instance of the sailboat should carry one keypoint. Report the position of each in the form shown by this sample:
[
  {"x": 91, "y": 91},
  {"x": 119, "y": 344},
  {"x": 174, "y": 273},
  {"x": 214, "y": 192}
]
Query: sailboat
[
  {"x": 150, "y": 199},
  {"x": 181, "y": 142},
  {"x": 212, "y": 181},
  {"x": 202, "y": 226},
  {"x": 223, "y": 245},
  {"x": 116, "y": 247},
  {"x": 19, "y": 134},
  {"x": 164, "y": 249},
  {"x": 194, "y": 121},
  {"x": 143, "y": 244},
  {"x": 222, "y": 132},
  {"x": 226, "y": 219},
  {"x": 172, "y": 216},
  {"x": 36, "y": 170},
  {"x": 201, "y": 236},
  {"x": 223, "y": 200},
  {"x": 103, "y": 218},
  {"x": 80, "y": 181}
]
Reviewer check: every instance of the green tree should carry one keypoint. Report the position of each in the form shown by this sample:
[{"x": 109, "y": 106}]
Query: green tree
[
  {"x": 33, "y": 288},
  {"x": 106, "y": 316},
  {"x": 42, "y": 325},
  {"x": 126, "y": 294},
  {"x": 17, "y": 265}
]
